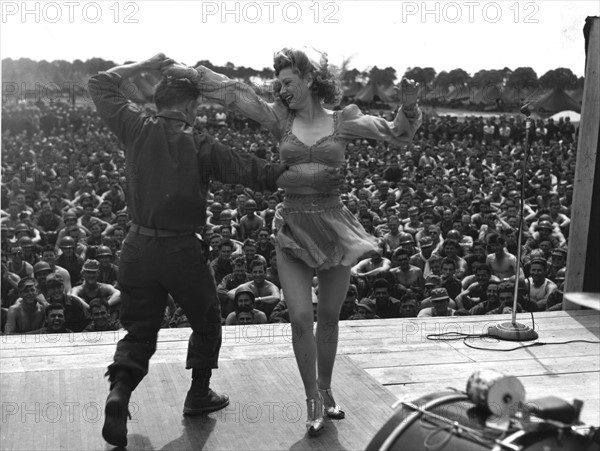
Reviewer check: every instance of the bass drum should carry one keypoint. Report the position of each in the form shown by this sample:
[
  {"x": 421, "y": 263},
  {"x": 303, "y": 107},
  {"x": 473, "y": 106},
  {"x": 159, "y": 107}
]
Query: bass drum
[{"x": 452, "y": 422}]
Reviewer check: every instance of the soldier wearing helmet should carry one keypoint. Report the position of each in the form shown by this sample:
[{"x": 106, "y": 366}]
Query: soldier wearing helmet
[
  {"x": 407, "y": 242},
  {"x": 30, "y": 252},
  {"x": 245, "y": 302},
  {"x": 40, "y": 271},
  {"x": 70, "y": 221},
  {"x": 108, "y": 270},
  {"x": 69, "y": 259}
]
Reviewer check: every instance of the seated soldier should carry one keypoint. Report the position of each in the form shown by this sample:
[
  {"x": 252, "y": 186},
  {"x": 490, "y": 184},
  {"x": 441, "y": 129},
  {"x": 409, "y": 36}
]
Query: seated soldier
[
  {"x": 349, "y": 306},
  {"x": 540, "y": 287},
  {"x": 476, "y": 292},
  {"x": 244, "y": 318},
  {"x": 90, "y": 288},
  {"x": 49, "y": 256},
  {"x": 502, "y": 263},
  {"x": 365, "y": 309},
  {"x": 450, "y": 250},
  {"x": 385, "y": 305},
  {"x": 251, "y": 223},
  {"x": 492, "y": 301},
  {"x": 405, "y": 275},
  {"x": 556, "y": 264},
  {"x": 505, "y": 299},
  {"x": 76, "y": 311},
  {"x": 26, "y": 314},
  {"x": 272, "y": 271},
  {"x": 449, "y": 279},
  {"x": 435, "y": 265},
  {"x": 555, "y": 301},
  {"x": 373, "y": 267},
  {"x": 280, "y": 313},
  {"x": 409, "y": 305},
  {"x": 267, "y": 295},
  {"x": 421, "y": 259},
  {"x": 221, "y": 265},
  {"x": 55, "y": 320},
  {"x": 441, "y": 307},
  {"x": 41, "y": 270},
  {"x": 249, "y": 251},
  {"x": 100, "y": 313},
  {"x": 244, "y": 301},
  {"x": 9, "y": 286},
  {"x": 231, "y": 282},
  {"x": 178, "y": 318},
  {"x": 264, "y": 245},
  {"x": 108, "y": 271}
]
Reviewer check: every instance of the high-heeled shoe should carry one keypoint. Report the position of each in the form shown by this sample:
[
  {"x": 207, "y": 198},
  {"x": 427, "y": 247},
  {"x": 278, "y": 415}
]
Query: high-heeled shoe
[
  {"x": 314, "y": 420},
  {"x": 332, "y": 410}
]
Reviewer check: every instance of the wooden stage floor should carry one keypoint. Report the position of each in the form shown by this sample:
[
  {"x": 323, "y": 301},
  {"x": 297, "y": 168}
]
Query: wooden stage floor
[{"x": 53, "y": 389}]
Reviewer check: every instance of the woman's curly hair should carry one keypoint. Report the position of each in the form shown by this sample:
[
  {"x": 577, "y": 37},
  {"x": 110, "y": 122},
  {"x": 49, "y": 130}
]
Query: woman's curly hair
[{"x": 325, "y": 86}]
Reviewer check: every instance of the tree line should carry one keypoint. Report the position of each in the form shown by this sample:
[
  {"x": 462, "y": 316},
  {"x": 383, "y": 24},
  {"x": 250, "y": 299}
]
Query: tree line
[{"x": 25, "y": 70}]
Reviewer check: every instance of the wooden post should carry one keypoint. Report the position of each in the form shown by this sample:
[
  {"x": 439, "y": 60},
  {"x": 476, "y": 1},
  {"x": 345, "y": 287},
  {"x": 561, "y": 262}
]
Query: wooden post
[{"x": 583, "y": 260}]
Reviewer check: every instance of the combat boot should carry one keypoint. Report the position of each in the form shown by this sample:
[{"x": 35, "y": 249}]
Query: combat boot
[
  {"x": 200, "y": 398},
  {"x": 116, "y": 411}
]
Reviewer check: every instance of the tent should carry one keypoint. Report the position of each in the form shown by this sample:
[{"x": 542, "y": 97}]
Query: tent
[
  {"x": 573, "y": 116},
  {"x": 576, "y": 94},
  {"x": 352, "y": 90},
  {"x": 436, "y": 92},
  {"x": 459, "y": 93},
  {"x": 519, "y": 95},
  {"x": 486, "y": 95},
  {"x": 556, "y": 100},
  {"x": 372, "y": 93}
]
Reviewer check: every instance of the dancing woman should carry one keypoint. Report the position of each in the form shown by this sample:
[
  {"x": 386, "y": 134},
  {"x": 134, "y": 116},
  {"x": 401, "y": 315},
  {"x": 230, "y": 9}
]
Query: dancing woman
[{"x": 315, "y": 231}]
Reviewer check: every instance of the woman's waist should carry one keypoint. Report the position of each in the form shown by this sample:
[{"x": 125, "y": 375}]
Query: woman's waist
[{"x": 304, "y": 200}]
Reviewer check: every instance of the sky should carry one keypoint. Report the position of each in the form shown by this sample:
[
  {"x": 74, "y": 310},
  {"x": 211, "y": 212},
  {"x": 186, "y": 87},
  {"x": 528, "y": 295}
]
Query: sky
[{"x": 445, "y": 35}]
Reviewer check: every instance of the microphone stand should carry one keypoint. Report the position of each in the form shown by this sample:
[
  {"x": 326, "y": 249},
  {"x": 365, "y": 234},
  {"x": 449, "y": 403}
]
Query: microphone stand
[{"x": 514, "y": 331}]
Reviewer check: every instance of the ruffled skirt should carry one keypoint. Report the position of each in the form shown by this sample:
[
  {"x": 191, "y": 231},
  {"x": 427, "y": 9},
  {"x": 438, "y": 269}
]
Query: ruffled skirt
[{"x": 320, "y": 231}]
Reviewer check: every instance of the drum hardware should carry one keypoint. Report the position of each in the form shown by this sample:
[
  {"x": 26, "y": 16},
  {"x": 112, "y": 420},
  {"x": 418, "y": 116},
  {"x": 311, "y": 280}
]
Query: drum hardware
[
  {"x": 459, "y": 430},
  {"x": 500, "y": 395},
  {"x": 464, "y": 421}
]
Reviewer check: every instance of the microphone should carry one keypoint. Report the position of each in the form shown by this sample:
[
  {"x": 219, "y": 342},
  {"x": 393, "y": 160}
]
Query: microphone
[
  {"x": 513, "y": 330},
  {"x": 525, "y": 110}
]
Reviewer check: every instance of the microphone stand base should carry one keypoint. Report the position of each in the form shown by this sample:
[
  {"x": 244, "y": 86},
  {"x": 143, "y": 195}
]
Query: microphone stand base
[{"x": 513, "y": 332}]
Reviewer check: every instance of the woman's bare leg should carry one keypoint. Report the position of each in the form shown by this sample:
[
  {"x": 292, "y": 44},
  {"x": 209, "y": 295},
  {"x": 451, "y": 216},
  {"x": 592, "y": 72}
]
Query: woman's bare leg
[
  {"x": 333, "y": 285},
  {"x": 296, "y": 282}
]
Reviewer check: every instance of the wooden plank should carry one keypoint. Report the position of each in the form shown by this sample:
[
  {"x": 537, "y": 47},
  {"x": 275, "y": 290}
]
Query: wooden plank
[
  {"x": 408, "y": 358},
  {"x": 462, "y": 371},
  {"x": 585, "y": 200},
  {"x": 521, "y": 317},
  {"x": 589, "y": 350}
]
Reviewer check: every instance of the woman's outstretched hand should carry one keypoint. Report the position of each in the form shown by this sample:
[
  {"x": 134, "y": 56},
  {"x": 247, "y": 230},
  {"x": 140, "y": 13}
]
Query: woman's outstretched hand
[
  {"x": 178, "y": 71},
  {"x": 158, "y": 62},
  {"x": 409, "y": 92}
]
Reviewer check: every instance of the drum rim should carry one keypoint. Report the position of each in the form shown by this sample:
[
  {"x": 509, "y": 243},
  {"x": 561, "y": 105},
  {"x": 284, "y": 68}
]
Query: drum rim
[{"x": 409, "y": 421}]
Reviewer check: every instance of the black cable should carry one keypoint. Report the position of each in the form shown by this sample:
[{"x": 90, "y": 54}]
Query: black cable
[
  {"x": 453, "y": 336},
  {"x": 537, "y": 343}
]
